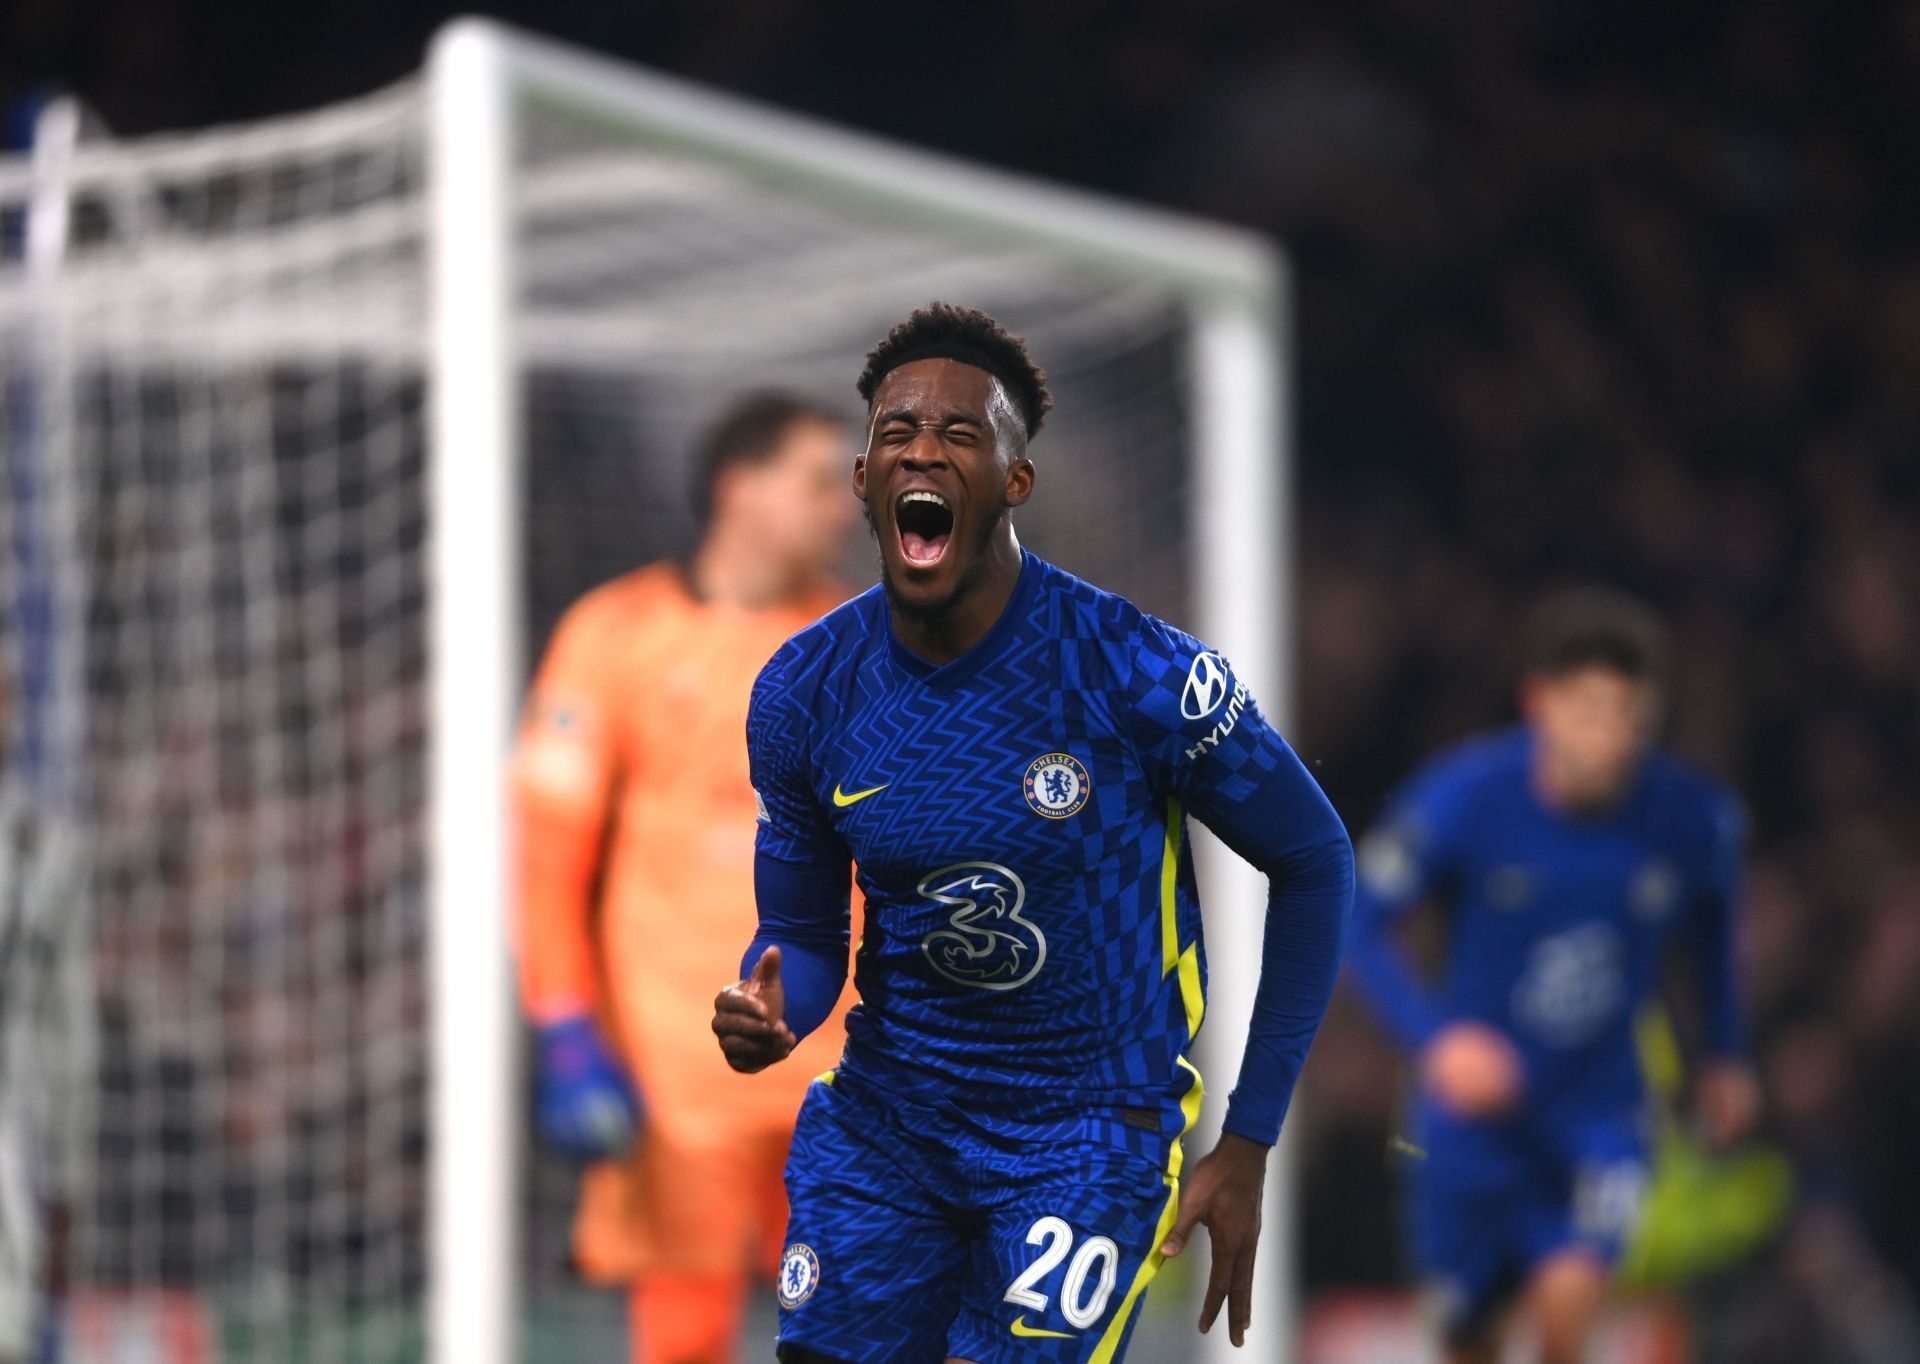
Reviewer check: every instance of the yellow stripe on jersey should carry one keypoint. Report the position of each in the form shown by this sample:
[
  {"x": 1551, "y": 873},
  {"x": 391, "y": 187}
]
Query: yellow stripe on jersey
[
  {"x": 1169, "y": 881},
  {"x": 1172, "y": 958},
  {"x": 1189, "y": 1112},
  {"x": 1191, "y": 994},
  {"x": 1117, "y": 1328}
]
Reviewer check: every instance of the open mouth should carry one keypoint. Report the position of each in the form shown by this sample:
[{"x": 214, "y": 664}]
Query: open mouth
[{"x": 925, "y": 523}]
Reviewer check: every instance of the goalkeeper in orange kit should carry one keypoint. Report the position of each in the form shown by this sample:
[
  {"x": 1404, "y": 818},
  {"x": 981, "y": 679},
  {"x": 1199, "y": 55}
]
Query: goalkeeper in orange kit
[{"x": 636, "y": 882}]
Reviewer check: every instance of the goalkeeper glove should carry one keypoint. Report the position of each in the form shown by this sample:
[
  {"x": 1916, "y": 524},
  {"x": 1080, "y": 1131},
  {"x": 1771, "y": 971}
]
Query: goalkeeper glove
[{"x": 586, "y": 1102}]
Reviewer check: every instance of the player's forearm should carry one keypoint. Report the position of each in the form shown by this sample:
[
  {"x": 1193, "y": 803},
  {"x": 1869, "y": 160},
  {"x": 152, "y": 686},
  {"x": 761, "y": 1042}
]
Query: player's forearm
[
  {"x": 1307, "y": 909},
  {"x": 1281, "y": 822},
  {"x": 1716, "y": 973},
  {"x": 804, "y": 912},
  {"x": 1711, "y": 935},
  {"x": 1384, "y": 975},
  {"x": 558, "y": 864}
]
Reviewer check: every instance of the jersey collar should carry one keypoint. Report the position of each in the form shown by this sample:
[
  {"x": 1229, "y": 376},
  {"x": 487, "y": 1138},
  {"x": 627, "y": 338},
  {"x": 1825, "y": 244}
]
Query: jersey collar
[{"x": 947, "y": 676}]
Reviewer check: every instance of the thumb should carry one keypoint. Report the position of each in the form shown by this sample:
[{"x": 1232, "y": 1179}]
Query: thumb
[
  {"x": 1183, "y": 1224},
  {"x": 766, "y": 971}
]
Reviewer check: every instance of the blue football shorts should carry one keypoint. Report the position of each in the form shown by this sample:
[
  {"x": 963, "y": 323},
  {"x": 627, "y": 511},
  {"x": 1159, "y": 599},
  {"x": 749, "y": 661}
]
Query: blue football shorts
[
  {"x": 917, "y": 1232},
  {"x": 1481, "y": 1228}
]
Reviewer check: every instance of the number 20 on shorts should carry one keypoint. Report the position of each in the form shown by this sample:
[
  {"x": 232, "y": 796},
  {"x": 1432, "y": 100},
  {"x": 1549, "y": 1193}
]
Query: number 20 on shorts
[{"x": 1097, "y": 1259}]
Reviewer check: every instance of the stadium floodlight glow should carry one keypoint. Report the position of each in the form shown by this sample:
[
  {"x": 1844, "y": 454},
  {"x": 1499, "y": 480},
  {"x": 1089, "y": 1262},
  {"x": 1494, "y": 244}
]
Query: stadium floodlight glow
[{"x": 351, "y": 403}]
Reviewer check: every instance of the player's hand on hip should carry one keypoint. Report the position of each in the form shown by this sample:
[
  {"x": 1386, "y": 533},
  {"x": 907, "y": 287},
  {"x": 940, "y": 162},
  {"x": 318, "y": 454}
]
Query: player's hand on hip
[
  {"x": 1223, "y": 1192},
  {"x": 585, "y": 1101},
  {"x": 749, "y": 1017},
  {"x": 1728, "y": 1100},
  {"x": 1472, "y": 1069}
]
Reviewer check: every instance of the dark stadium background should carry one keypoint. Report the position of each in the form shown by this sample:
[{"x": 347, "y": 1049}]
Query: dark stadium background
[{"x": 1586, "y": 290}]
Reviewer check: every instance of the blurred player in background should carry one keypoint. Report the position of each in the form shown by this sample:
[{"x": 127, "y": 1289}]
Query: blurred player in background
[
  {"x": 1567, "y": 855},
  {"x": 636, "y": 831},
  {"x": 994, "y": 1172}
]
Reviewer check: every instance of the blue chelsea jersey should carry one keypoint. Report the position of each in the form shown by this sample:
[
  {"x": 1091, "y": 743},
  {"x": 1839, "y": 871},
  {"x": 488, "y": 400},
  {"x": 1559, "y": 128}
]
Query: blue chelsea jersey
[
  {"x": 1018, "y": 821},
  {"x": 1557, "y": 924}
]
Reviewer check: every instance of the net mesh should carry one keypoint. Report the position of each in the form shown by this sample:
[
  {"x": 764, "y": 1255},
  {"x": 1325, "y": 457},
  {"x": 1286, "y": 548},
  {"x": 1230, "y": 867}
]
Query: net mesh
[{"x": 216, "y": 622}]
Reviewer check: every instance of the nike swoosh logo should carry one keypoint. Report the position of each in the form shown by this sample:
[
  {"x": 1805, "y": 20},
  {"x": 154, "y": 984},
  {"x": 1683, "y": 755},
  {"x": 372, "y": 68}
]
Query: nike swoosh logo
[
  {"x": 843, "y": 801},
  {"x": 1020, "y": 1328}
]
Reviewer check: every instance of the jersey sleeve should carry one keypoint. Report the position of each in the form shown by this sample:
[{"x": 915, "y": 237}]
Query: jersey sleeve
[
  {"x": 1711, "y": 928},
  {"x": 1198, "y": 731},
  {"x": 563, "y": 785},
  {"x": 1204, "y": 742},
  {"x": 1403, "y": 859},
  {"x": 793, "y": 823},
  {"x": 802, "y": 868}
]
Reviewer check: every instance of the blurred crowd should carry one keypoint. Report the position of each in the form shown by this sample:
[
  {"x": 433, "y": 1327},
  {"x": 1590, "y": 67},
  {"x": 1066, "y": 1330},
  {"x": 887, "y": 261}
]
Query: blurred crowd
[
  {"x": 1586, "y": 290},
  {"x": 1638, "y": 302}
]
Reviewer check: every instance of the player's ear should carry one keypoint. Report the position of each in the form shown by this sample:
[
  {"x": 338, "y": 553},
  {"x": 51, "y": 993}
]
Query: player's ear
[
  {"x": 1532, "y": 693},
  {"x": 1019, "y": 480},
  {"x": 1650, "y": 707},
  {"x": 860, "y": 475}
]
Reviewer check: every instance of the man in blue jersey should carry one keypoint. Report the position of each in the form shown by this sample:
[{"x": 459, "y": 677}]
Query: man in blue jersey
[
  {"x": 1008, "y": 755},
  {"x": 1567, "y": 856}
]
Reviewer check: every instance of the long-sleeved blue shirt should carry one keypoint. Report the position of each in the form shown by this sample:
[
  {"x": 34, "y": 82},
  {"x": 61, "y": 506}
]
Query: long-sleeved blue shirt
[
  {"x": 1557, "y": 924},
  {"x": 1032, "y": 933}
]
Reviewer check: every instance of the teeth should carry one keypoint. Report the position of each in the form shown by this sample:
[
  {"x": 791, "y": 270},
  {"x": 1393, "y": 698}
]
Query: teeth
[{"x": 920, "y": 496}]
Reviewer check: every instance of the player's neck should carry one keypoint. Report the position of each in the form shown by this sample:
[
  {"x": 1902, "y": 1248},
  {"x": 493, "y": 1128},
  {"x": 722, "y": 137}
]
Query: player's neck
[
  {"x": 726, "y": 570},
  {"x": 942, "y": 635},
  {"x": 1559, "y": 791}
]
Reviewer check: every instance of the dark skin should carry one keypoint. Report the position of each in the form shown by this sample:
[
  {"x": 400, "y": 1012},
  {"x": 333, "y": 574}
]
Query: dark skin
[
  {"x": 943, "y": 427},
  {"x": 947, "y": 428}
]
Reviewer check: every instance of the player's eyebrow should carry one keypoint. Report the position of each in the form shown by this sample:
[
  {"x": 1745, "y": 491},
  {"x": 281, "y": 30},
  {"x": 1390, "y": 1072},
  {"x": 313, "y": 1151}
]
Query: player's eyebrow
[{"x": 947, "y": 418}]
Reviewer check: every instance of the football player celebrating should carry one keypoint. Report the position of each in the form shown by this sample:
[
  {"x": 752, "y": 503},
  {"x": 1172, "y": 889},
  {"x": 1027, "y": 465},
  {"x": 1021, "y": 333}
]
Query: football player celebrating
[{"x": 1009, "y": 755}]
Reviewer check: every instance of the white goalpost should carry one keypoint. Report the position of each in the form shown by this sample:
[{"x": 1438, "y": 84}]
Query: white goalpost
[
  {"x": 347, "y": 406},
  {"x": 476, "y": 654}
]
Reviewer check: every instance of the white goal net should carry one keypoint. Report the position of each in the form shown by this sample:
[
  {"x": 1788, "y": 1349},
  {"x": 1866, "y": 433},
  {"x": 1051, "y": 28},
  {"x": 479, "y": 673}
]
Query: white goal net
[{"x": 312, "y": 429}]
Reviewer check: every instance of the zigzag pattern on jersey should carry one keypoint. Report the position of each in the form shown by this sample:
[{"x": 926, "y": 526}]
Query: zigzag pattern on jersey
[
  {"x": 960, "y": 756},
  {"x": 1097, "y": 1019}
]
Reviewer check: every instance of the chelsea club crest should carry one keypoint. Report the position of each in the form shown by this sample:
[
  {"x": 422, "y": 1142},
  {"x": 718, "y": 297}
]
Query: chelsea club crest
[
  {"x": 799, "y": 1276},
  {"x": 1057, "y": 785}
]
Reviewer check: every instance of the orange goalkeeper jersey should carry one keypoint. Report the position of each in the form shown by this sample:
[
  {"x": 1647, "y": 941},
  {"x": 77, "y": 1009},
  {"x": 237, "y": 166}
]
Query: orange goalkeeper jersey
[{"x": 636, "y": 831}]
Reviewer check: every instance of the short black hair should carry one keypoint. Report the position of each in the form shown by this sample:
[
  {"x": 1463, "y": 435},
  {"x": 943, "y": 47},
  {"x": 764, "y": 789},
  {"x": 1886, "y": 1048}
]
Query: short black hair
[
  {"x": 750, "y": 431},
  {"x": 1584, "y": 627},
  {"x": 947, "y": 331}
]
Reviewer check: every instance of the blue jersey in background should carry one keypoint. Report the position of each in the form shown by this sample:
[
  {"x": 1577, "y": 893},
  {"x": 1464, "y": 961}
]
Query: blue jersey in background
[{"x": 1556, "y": 929}]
